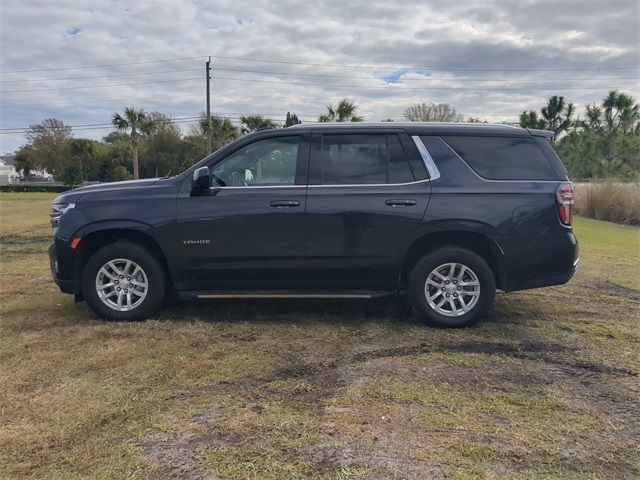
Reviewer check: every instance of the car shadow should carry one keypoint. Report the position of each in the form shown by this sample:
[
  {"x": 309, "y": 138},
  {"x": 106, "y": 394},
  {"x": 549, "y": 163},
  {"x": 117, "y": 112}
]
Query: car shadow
[{"x": 271, "y": 311}]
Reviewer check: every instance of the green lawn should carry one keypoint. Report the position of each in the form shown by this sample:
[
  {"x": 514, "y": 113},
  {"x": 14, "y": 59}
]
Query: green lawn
[{"x": 546, "y": 388}]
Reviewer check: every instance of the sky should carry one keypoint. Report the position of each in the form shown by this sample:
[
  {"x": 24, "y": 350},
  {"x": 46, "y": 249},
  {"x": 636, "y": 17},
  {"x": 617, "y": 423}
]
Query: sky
[{"x": 81, "y": 61}]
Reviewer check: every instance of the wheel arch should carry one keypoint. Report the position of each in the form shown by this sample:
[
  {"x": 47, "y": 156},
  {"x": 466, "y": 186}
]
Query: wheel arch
[
  {"x": 476, "y": 242},
  {"x": 97, "y": 237}
]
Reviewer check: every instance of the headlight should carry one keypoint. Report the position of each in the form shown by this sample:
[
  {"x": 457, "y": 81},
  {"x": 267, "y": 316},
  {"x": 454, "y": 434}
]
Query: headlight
[{"x": 58, "y": 210}]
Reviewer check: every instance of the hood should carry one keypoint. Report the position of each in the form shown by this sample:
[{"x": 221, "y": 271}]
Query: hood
[{"x": 73, "y": 195}]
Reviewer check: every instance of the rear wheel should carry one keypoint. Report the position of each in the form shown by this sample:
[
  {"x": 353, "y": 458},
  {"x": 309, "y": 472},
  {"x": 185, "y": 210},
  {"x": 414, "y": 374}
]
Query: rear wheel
[
  {"x": 123, "y": 281},
  {"x": 451, "y": 287}
]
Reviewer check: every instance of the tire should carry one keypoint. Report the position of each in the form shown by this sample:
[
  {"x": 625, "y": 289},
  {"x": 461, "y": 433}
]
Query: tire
[
  {"x": 106, "y": 272},
  {"x": 471, "y": 287}
]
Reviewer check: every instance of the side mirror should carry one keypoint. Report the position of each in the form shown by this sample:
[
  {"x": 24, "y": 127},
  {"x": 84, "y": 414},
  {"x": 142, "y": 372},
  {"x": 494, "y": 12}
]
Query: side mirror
[{"x": 201, "y": 181}]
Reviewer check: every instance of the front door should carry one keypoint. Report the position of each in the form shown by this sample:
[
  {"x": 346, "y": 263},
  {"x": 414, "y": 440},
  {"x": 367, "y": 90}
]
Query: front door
[
  {"x": 367, "y": 194},
  {"x": 246, "y": 233}
]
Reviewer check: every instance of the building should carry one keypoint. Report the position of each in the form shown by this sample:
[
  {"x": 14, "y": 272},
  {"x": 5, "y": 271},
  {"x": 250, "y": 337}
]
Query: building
[{"x": 8, "y": 173}]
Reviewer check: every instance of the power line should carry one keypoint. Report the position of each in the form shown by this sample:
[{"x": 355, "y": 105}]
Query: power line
[
  {"x": 426, "y": 79},
  {"x": 417, "y": 79},
  {"x": 376, "y": 67},
  {"x": 229, "y": 115},
  {"x": 99, "y": 76},
  {"x": 354, "y": 66},
  {"x": 86, "y": 126},
  {"x": 390, "y": 87},
  {"x": 102, "y": 65},
  {"x": 103, "y": 86}
]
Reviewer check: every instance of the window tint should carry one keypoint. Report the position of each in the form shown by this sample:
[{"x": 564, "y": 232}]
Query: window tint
[
  {"x": 552, "y": 156},
  {"x": 399, "y": 169},
  {"x": 363, "y": 159},
  {"x": 265, "y": 162},
  {"x": 503, "y": 158}
]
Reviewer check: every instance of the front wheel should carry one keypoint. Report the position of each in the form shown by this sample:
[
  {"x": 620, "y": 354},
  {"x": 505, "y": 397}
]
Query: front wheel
[
  {"x": 123, "y": 281},
  {"x": 451, "y": 287}
]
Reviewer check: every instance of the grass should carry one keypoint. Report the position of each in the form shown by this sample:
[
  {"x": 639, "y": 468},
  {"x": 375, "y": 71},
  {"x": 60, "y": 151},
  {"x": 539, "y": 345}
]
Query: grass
[
  {"x": 546, "y": 388},
  {"x": 610, "y": 201}
]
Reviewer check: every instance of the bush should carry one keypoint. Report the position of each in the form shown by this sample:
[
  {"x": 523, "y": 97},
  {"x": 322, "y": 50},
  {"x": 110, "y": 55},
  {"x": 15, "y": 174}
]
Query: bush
[
  {"x": 16, "y": 187},
  {"x": 610, "y": 201}
]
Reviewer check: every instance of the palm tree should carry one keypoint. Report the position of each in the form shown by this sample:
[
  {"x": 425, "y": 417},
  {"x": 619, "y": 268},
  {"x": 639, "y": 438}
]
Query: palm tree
[
  {"x": 292, "y": 119},
  {"x": 530, "y": 120},
  {"x": 345, "y": 111},
  {"x": 557, "y": 115},
  {"x": 140, "y": 124},
  {"x": 251, "y": 123},
  {"x": 618, "y": 113},
  {"x": 222, "y": 130}
]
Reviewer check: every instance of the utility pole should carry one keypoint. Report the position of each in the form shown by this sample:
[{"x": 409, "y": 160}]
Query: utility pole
[{"x": 208, "y": 72}]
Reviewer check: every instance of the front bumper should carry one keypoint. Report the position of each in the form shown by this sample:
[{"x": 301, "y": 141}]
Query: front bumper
[{"x": 60, "y": 263}]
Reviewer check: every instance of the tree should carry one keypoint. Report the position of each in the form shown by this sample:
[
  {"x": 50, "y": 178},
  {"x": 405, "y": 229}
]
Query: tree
[
  {"x": 292, "y": 119},
  {"x": 139, "y": 123},
  {"x": 82, "y": 156},
  {"x": 610, "y": 133},
  {"x": 476, "y": 120},
  {"x": 557, "y": 115},
  {"x": 121, "y": 173},
  {"x": 251, "y": 123},
  {"x": 222, "y": 130},
  {"x": 47, "y": 144},
  {"x": 432, "y": 112},
  {"x": 163, "y": 150},
  {"x": 25, "y": 161},
  {"x": 530, "y": 119},
  {"x": 618, "y": 114},
  {"x": 345, "y": 111}
]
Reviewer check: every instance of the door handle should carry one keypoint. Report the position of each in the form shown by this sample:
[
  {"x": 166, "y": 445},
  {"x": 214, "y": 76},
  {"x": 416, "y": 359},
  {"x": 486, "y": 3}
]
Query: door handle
[
  {"x": 284, "y": 203},
  {"x": 400, "y": 203}
]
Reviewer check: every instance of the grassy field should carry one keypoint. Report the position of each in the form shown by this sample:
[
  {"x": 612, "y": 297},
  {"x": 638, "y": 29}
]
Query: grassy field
[{"x": 549, "y": 387}]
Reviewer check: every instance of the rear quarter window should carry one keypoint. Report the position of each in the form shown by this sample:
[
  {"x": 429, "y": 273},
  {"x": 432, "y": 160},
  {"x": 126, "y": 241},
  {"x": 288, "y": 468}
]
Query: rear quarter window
[{"x": 503, "y": 158}]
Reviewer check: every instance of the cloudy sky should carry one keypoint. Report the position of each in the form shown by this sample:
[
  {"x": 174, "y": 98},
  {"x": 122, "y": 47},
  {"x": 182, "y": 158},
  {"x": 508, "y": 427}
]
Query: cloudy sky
[{"x": 80, "y": 61}]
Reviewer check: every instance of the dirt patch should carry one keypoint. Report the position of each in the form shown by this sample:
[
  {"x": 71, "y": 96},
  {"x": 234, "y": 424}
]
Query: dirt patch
[
  {"x": 614, "y": 289},
  {"x": 176, "y": 457},
  {"x": 527, "y": 350}
]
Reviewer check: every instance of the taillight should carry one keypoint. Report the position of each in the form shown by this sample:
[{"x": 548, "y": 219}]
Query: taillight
[{"x": 564, "y": 197}]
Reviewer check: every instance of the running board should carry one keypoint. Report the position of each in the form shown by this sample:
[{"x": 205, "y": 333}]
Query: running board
[{"x": 230, "y": 295}]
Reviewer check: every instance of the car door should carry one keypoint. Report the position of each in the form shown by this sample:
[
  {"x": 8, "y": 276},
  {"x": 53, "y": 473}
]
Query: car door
[
  {"x": 245, "y": 233},
  {"x": 367, "y": 194}
]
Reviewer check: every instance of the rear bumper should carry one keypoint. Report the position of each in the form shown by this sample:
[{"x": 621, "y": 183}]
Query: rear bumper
[
  {"x": 545, "y": 280},
  {"x": 559, "y": 271}
]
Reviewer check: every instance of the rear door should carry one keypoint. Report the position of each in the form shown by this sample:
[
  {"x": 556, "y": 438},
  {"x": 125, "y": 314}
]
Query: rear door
[{"x": 367, "y": 194}]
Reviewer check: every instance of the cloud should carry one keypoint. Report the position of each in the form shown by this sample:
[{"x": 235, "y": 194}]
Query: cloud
[{"x": 438, "y": 51}]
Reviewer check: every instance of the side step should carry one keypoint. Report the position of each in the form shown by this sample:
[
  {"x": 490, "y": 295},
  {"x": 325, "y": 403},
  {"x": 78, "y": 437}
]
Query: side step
[{"x": 284, "y": 294}]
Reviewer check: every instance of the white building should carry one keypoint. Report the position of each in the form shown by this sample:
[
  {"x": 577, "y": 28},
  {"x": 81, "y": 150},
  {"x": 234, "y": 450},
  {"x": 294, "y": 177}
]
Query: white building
[{"x": 8, "y": 172}]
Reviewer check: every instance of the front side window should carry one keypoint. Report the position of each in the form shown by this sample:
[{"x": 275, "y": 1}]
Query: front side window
[
  {"x": 363, "y": 159},
  {"x": 269, "y": 162}
]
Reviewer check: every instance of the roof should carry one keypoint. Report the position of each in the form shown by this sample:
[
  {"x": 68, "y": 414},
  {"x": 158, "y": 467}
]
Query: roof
[
  {"x": 8, "y": 160},
  {"x": 418, "y": 128}
]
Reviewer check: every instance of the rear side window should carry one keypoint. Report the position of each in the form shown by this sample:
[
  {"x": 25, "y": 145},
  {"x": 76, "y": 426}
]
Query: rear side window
[
  {"x": 503, "y": 158},
  {"x": 363, "y": 159},
  {"x": 552, "y": 156}
]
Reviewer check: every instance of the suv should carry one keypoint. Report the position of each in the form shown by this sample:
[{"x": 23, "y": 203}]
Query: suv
[{"x": 444, "y": 212}]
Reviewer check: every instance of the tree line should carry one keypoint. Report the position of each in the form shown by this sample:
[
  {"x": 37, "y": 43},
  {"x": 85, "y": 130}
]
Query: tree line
[{"x": 605, "y": 142}]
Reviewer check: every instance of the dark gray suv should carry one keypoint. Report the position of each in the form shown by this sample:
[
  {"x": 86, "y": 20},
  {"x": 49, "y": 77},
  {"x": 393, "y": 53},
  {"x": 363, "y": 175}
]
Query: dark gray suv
[{"x": 444, "y": 212}]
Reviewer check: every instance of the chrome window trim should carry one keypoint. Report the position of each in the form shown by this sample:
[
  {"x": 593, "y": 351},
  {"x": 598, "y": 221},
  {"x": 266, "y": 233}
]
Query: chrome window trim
[
  {"x": 253, "y": 187},
  {"x": 326, "y": 186},
  {"x": 434, "y": 173},
  {"x": 370, "y": 184}
]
